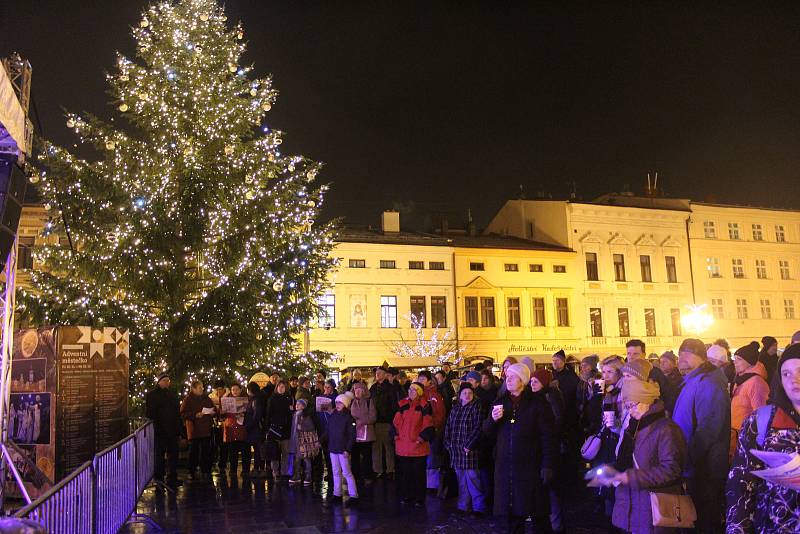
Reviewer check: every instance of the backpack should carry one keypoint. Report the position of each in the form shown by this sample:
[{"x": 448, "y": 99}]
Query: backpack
[{"x": 764, "y": 417}]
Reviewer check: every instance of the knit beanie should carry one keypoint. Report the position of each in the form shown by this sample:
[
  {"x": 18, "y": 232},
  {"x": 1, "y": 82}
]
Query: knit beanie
[
  {"x": 521, "y": 370},
  {"x": 695, "y": 346},
  {"x": 639, "y": 368},
  {"x": 345, "y": 399},
  {"x": 792, "y": 352},
  {"x": 474, "y": 375},
  {"x": 528, "y": 363},
  {"x": 162, "y": 376},
  {"x": 418, "y": 387},
  {"x": 717, "y": 353},
  {"x": 796, "y": 337},
  {"x": 560, "y": 354},
  {"x": 463, "y": 386},
  {"x": 302, "y": 401},
  {"x": 544, "y": 376},
  {"x": 635, "y": 390},
  {"x": 748, "y": 353}
]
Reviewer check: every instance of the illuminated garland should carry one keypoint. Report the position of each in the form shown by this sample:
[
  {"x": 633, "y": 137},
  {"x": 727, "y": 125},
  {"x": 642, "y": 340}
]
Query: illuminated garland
[{"x": 191, "y": 228}]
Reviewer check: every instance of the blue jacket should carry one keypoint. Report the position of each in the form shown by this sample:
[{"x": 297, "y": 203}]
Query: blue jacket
[
  {"x": 341, "y": 432},
  {"x": 703, "y": 413}
]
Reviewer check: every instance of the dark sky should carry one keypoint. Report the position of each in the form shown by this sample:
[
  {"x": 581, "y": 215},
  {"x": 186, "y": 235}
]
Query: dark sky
[{"x": 441, "y": 106}]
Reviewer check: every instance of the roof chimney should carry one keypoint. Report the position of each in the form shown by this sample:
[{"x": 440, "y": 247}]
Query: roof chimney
[{"x": 390, "y": 222}]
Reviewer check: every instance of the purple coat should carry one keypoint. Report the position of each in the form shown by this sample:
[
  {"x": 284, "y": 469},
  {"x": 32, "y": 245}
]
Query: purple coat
[{"x": 660, "y": 451}]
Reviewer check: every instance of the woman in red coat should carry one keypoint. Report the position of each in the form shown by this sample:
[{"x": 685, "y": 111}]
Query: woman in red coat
[{"x": 413, "y": 427}]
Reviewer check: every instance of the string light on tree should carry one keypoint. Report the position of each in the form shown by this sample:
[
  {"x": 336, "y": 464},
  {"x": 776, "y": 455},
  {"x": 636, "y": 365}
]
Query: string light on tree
[{"x": 189, "y": 229}]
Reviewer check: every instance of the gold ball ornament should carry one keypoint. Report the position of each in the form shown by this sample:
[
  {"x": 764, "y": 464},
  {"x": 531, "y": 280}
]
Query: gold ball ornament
[
  {"x": 228, "y": 150},
  {"x": 291, "y": 168},
  {"x": 70, "y": 123},
  {"x": 240, "y": 35},
  {"x": 311, "y": 175},
  {"x": 143, "y": 96},
  {"x": 277, "y": 285},
  {"x": 204, "y": 17},
  {"x": 48, "y": 207},
  {"x": 232, "y": 67},
  {"x": 34, "y": 179},
  {"x": 110, "y": 145},
  {"x": 253, "y": 92},
  {"x": 144, "y": 23},
  {"x": 311, "y": 204},
  {"x": 266, "y": 106},
  {"x": 123, "y": 107}
]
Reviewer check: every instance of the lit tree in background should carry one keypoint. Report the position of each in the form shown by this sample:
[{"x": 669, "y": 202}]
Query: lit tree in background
[
  {"x": 441, "y": 345},
  {"x": 190, "y": 227}
]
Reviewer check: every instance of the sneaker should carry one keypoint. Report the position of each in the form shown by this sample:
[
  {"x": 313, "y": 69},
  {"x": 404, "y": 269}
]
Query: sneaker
[
  {"x": 307, "y": 483},
  {"x": 293, "y": 482}
]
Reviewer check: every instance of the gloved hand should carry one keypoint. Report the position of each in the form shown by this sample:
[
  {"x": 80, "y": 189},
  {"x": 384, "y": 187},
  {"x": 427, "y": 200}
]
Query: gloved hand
[{"x": 547, "y": 475}]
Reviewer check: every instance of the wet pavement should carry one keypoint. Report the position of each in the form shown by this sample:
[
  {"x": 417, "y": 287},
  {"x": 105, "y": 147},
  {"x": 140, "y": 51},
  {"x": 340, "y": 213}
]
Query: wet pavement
[{"x": 260, "y": 507}]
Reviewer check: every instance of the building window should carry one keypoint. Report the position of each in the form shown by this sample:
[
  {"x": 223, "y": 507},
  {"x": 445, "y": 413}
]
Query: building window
[
  {"x": 416, "y": 265},
  {"x": 596, "y": 320},
  {"x": 647, "y": 272},
  {"x": 650, "y": 321},
  {"x": 513, "y": 311},
  {"x": 709, "y": 230},
  {"x": 25, "y": 252},
  {"x": 559, "y": 268},
  {"x": 712, "y": 264},
  {"x": 439, "y": 312},
  {"x": 788, "y": 308},
  {"x": 717, "y": 309},
  {"x": 388, "y": 264},
  {"x": 357, "y": 264},
  {"x": 418, "y": 310},
  {"x": 487, "y": 312},
  {"x": 761, "y": 269},
  {"x": 675, "y": 314},
  {"x": 672, "y": 272},
  {"x": 511, "y": 267},
  {"x": 738, "y": 268},
  {"x": 538, "y": 311},
  {"x": 780, "y": 233},
  {"x": 388, "y": 312},
  {"x": 436, "y": 265},
  {"x": 758, "y": 233},
  {"x": 536, "y": 268},
  {"x": 784, "y": 265},
  {"x": 766, "y": 309},
  {"x": 327, "y": 311},
  {"x": 476, "y": 266},
  {"x": 591, "y": 266},
  {"x": 471, "y": 311},
  {"x": 741, "y": 308},
  {"x": 619, "y": 267},
  {"x": 733, "y": 230},
  {"x": 624, "y": 322},
  {"x": 562, "y": 312}
]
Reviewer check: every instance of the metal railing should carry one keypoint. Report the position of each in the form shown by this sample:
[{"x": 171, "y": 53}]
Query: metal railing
[{"x": 99, "y": 496}]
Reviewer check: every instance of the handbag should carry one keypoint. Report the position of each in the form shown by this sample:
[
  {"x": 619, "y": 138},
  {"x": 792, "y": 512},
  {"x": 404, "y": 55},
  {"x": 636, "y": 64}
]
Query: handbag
[
  {"x": 671, "y": 510},
  {"x": 591, "y": 447}
]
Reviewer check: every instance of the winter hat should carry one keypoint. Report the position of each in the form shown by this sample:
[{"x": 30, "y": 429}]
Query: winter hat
[
  {"x": 792, "y": 352},
  {"x": 639, "y": 368},
  {"x": 474, "y": 375},
  {"x": 529, "y": 363},
  {"x": 560, "y": 354},
  {"x": 162, "y": 376},
  {"x": 345, "y": 399},
  {"x": 592, "y": 361},
  {"x": 748, "y": 353},
  {"x": 418, "y": 387},
  {"x": 767, "y": 342},
  {"x": 302, "y": 401},
  {"x": 544, "y": 376},
  {"x": 636, "y": 390},
  {"x": 463, "y": 386},
  {"x": 694, "y": 346},
  {"x": 717, "y": 353},
  {"x": 670, "y": 356},
  {"x": 521, "y": 370}
]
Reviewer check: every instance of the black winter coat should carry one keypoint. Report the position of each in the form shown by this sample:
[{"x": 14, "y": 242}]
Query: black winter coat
[
  {"x": 164, "y": 408},
  {"x": 523, "y": 448},
  {"x": 278, "y": 419},
  {"x": 386, "y": 397},
  {"x": 568, "y": 383},
  {"x": 341, "y": 433}
]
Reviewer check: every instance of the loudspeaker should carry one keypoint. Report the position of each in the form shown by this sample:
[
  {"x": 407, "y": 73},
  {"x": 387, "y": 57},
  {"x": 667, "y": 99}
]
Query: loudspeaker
[{"x": 12, "y": 195}]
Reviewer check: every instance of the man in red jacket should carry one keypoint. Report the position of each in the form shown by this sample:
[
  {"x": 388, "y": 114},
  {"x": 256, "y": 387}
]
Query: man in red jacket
[{"x": 439, "y": 417}]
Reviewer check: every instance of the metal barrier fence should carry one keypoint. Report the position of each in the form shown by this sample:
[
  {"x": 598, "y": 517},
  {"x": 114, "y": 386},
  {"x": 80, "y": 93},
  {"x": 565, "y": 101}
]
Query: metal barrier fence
[{"x": 99, "y": 496}]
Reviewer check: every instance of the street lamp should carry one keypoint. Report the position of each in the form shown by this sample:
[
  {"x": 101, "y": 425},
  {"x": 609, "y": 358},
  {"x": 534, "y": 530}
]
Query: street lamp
[{"x": 697, "y": 320}]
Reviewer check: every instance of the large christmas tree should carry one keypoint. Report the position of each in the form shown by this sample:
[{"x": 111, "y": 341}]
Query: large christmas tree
[{"x": 188, "y": 226}]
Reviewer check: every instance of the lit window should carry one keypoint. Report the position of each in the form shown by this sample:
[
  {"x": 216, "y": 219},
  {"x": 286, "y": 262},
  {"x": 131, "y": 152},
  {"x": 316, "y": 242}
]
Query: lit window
[
  {"x": 388, "y": 312},
  {"x": 536, "y": 268},
  {"x": 327, "y": 311},
  {"x": 650, "y": 321},
  {"x": 439, "y": 312},
  {"x": 511, "y": 267},
  {"x": 559, "y": 268},
  {"x": 418, "y": 310},
  {"x": 713, "y": 268},
  {"x": 596, "y": 321},
  {"x": 624, "y": 322}
]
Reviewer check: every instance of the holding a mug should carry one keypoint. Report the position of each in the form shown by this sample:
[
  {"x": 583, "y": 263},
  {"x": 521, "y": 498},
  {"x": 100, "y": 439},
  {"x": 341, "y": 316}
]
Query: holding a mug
[{"x": 497, "y": 412}]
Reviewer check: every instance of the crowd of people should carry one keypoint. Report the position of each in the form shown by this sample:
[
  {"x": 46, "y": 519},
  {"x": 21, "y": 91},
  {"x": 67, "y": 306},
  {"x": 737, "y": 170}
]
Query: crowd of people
[{"x": 659, "y": 426}]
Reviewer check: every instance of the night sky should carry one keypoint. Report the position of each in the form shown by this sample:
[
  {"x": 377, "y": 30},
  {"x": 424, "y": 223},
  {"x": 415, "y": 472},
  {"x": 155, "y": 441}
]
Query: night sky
[{"x": 436, "y": 107}]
